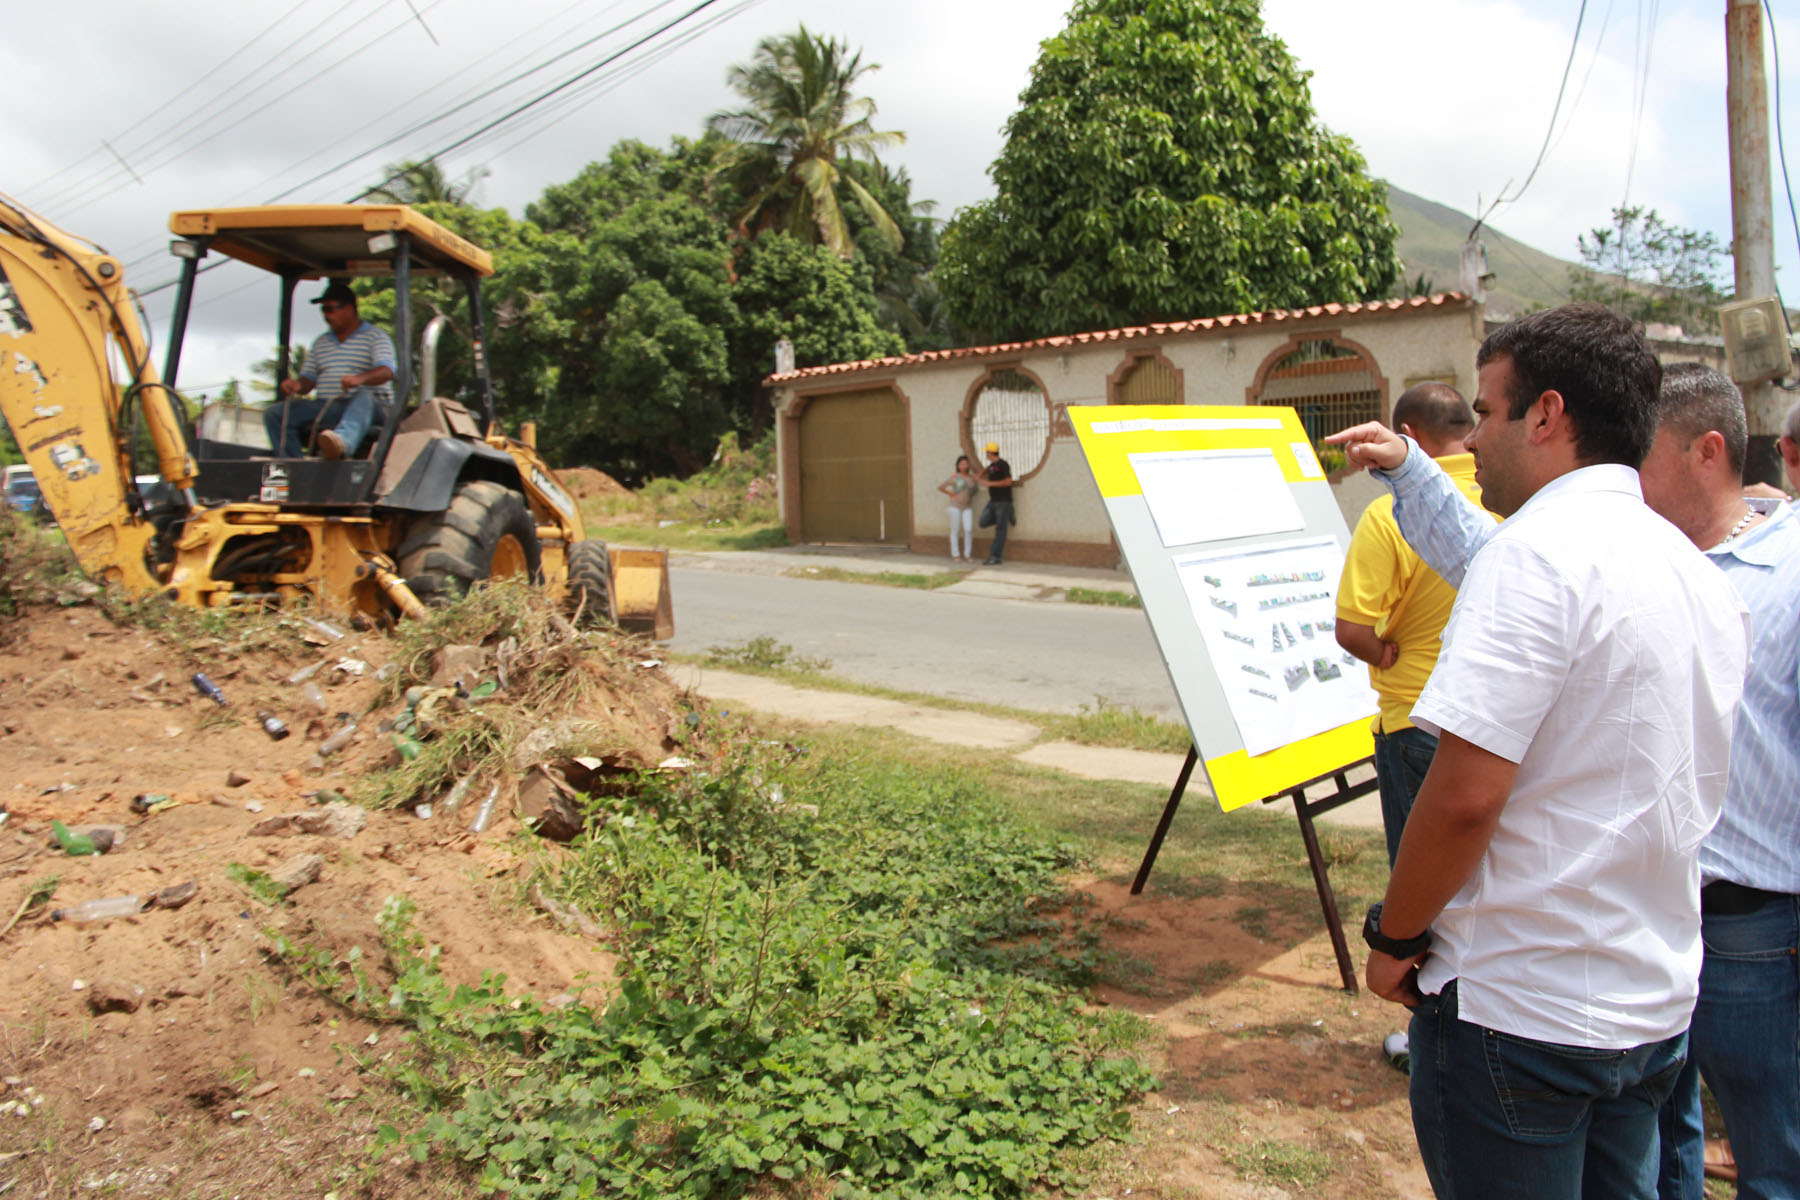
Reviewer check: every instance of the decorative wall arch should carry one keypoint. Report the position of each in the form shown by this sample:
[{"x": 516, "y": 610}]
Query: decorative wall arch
[
  {"x": 996, "y": 409},
  {"x": 1331, "y": 381},
  {"x": 1120, "y": 387}
]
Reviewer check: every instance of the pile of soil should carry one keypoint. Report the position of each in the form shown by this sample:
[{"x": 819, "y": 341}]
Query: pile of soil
[
  {"x": 586, "y": 482},
  {"x": 168, "y": 1052}
]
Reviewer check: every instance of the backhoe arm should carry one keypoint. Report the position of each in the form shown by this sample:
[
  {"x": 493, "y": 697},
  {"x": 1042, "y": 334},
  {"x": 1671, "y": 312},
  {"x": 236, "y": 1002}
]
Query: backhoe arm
[{"x": 62, "y": 303}]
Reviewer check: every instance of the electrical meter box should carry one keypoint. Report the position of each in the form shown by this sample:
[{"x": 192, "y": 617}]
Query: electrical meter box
[{"x": 1756, "y": 339}]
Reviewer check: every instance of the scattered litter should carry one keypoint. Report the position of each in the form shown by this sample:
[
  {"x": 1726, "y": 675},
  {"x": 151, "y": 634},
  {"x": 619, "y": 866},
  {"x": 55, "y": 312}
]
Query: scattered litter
[
  {"x": 273, "y": 725},
  {"x": 254, "y": 806},
  {"x": 650, "y": 664},
  {"x": 315, "y": 698},
  {"x": 305, "y": 1073},
  {"x": 96, "y": 1124},
  {"x": 675, "y": 763},
  {"x": 238, "y": 1114},
  {"x": 350, "y": 666},
  {"x": 99, "y": 910},
  {"x": 485, "y": 814},
  {"x": 422, "y": 811},
  {"x": 146, "y": 803},
  {"x": 57, "y": 787},
  {"x": 207, "y": 688},
  {"x": 305, "y": 673},
  {"x": 374, "y": 1039},
  {"x": 331, "y": 633},
  {"x": 338, "y": 740}
]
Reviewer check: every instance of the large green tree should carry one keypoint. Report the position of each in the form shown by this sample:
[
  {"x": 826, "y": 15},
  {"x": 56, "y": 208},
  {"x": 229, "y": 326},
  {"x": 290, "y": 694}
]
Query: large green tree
[
  {"x": 800, "y": 125},
  {"x": 1165, "y": 163}
]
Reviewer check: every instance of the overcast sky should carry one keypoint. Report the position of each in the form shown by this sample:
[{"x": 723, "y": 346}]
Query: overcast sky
[{"x": 122, "y": 114}]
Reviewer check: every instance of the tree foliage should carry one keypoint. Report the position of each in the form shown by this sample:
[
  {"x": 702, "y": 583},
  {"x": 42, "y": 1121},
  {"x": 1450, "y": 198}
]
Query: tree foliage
[
  {"x": 1652, "y": 271},
  {"x": 800, "y": 127},
  {"x": 1165, "y": 163}
]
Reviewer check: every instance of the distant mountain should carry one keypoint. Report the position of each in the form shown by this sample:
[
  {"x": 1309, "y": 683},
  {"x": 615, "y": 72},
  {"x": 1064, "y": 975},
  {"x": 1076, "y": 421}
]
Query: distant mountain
[{"x": 1431, "y": 238}]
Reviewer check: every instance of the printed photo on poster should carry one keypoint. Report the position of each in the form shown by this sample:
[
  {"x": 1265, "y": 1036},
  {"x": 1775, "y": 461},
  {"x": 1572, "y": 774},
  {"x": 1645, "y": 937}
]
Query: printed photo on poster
[
  {"x": 1211, "y": 495},
  {"x": 1268, "y": 617}
]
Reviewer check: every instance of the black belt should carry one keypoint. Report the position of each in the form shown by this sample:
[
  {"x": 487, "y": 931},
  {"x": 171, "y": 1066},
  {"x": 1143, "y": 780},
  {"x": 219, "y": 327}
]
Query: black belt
[{"x": 1727, "y": 899}]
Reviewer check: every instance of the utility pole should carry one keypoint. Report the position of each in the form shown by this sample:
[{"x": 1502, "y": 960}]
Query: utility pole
[{"x": 1752, "y": 214}]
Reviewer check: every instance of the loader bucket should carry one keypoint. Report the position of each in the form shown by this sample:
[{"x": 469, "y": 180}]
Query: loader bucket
[{"x": 641, "y": 592}]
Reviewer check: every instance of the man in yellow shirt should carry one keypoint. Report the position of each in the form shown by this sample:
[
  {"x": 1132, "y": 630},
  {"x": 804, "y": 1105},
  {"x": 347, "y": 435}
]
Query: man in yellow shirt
[{"x": 1391, "y": 607}]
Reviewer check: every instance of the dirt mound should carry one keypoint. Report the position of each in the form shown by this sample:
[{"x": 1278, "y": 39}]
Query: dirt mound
[
  {"x": 168, "y": 1051},
  {"x": 586, "y": 482}
]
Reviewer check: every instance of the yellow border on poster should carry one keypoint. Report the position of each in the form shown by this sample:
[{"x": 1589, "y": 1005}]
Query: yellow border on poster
[{"x": 1237, "y": 778}]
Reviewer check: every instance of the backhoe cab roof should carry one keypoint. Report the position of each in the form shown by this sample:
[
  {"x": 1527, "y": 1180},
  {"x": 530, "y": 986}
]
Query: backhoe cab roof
[{"x": 327, "y": 240}]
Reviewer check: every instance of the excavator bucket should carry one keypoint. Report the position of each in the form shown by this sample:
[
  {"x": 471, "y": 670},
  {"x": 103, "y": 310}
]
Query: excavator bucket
[{"x": 641, "y": 601}]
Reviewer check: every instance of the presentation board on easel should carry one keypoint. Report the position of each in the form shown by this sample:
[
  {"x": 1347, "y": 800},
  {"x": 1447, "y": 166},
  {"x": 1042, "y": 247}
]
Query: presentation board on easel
[{"x": 1236, "y": 544}]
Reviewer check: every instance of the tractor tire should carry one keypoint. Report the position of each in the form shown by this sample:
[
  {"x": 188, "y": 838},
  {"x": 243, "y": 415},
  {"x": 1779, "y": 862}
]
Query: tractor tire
[
  {"x": 591, "y": 582},
  {"x": 487, "y": 532}
]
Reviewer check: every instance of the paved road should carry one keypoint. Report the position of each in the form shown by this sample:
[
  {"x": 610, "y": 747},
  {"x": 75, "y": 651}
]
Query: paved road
[{"x": 1044, "y": 655}]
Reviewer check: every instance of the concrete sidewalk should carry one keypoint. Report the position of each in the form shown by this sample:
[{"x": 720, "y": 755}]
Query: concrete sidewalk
[{"x": 962, "y": 728}]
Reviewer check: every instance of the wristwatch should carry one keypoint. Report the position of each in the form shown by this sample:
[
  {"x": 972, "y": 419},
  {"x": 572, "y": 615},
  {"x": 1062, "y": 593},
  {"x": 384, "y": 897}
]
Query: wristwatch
[{"x": 1393, "y": 947}]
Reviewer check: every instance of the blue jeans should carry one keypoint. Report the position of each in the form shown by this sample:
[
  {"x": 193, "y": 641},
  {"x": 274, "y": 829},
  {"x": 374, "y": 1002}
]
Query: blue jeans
[
  {"x": 1746, "y": 1045},
  {"x": 1499, "y": 1116},
  {"x": 350, "y": 415},
  {"x": 1003, "y": 516},
  {"x": 1401, "y": 760}
]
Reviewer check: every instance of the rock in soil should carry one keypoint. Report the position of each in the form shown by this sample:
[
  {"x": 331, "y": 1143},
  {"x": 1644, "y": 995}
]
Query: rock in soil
[
  {"x": 113, "y": 995},
  {"x": 298, "y": 871}
]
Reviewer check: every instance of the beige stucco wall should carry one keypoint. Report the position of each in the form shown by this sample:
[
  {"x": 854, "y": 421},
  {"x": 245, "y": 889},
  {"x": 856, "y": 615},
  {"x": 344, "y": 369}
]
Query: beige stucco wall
[{"x": 1058, "y": 504}]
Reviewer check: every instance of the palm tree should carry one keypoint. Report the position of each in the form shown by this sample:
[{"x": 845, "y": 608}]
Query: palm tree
[
  {"x": 262, "y": 375},
  {"x": 799, "y": 121},
  {"x": 417, "y": 181}
]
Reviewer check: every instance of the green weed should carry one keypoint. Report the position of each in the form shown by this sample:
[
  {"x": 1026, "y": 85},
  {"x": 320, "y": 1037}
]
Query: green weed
[
  {"x": 837, "y": 969},
  {"x": 1282, "y": 1163},
  {"x": 258, "y": 883},
  {"x": 1081, "y": 595},
  {"x": 763, "y": 654},
  {"x": 1107, "y": 724}
]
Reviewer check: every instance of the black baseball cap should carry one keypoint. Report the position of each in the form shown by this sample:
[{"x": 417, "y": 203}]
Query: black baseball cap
[{"x": 338, "y": 291}]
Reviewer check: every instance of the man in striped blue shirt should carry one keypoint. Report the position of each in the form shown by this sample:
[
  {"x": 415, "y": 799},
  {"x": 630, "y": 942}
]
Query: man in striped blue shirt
[
  {"x": 1745, "y": 1039},
  {"x": 347, "y": 364}
]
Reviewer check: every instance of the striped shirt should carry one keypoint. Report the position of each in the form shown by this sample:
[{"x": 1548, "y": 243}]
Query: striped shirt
[
  {"x": 1757, "y": 840},
  {"x": 330, "y": 360}
]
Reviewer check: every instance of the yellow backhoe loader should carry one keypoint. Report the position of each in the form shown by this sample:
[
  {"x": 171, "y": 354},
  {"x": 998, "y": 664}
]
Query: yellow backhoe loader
[{"x": 437, "y": 498}]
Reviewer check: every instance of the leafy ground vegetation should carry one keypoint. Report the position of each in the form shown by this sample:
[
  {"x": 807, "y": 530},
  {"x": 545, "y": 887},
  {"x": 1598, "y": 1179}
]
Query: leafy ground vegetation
[
  {"x": 843, "y": 974},
  {"x": 728, "y": 505}
]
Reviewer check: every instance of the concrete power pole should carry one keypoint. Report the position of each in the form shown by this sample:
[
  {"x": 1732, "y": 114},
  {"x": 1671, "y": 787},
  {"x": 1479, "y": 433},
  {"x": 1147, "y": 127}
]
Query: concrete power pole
[{"x": 1752, "y": 214}]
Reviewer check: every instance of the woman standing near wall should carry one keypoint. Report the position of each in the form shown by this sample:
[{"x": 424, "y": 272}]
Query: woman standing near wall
[{"x": 960, "y": 487}]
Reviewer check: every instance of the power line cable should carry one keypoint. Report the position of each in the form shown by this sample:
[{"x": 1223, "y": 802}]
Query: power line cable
[
  {"x": 159, "y": 109},
  {"x": 98, "y": 183},
  {"x": 1780, "y": 142},
  {"x": 1599, "y": 45},
  {"x": 422, "y": 126},
  {"x": 1641, "y": 91},
  {"x": 559, "y": 88},
  {"x": 1557, "y": 108}
]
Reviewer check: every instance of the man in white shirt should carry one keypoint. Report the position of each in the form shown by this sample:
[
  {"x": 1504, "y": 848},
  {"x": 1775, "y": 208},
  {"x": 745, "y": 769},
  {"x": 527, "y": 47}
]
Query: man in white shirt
[{"x": 1543, "y": 916}]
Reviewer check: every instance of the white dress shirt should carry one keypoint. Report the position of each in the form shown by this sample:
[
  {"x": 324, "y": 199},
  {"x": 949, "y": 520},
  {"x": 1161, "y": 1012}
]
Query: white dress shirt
[{"x": 1592, "y": 645}]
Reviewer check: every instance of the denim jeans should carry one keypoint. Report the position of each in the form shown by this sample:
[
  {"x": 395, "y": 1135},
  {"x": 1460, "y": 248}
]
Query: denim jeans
[
  {"x": 1499, "y": 1116},
  {"x": 350, "y": 415},
  {"x": 1401, "y": 760},
  {"x": 1746, "y": 1045},
  {"x": 1003, "y": 511},
  {"x": 962, "y": 521}
]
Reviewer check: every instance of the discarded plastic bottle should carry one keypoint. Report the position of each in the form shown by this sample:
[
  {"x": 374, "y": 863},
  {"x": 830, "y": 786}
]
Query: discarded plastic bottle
[
  {"x": 405, "y": 746},
  {"x": 209, "y": 689},
  {"x": 272, "y": 725},
  {"x": 99, "y": 910},
  {"x": 455, "y": 798},
  {"x": 305, "y": 673},
  {"x": 314, "y": 698},
  {"x": 338, "y": 740},
  {"x": 485, "y": 813}
]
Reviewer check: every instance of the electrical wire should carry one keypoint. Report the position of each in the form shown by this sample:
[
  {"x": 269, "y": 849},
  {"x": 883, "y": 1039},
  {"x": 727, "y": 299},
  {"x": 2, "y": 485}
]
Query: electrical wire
[
  {"x": 1641, "y": 87},
  {"x": 422, "y": 126},
  {"x": 546, "y": 95},
  {"x": 159, "y": 109},
  {"x": 1555, "y": 109},
  {"x": 1780, "y": 142}
]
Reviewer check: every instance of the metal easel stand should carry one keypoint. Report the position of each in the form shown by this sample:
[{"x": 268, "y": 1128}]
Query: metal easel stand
[{"x": 1305, "y": 810}]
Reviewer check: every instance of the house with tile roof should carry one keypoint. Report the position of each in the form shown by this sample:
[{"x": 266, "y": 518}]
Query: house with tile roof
[{"x": 862, "y": 446}]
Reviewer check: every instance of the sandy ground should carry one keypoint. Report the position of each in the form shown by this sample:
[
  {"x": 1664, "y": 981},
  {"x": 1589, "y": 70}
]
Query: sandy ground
[{"x": 164, "y": 1054}]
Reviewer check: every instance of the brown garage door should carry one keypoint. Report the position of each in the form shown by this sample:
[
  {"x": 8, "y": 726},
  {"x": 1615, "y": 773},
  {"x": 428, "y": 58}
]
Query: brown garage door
[{"x": 853, "y": 476}]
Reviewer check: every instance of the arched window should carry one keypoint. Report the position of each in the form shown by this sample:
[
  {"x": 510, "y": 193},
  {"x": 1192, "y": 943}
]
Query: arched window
[
  {"x": 1145, "y": 379},
  {"x": 1010, "y": 407},
  {"x": 1331, "y": 383}
]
